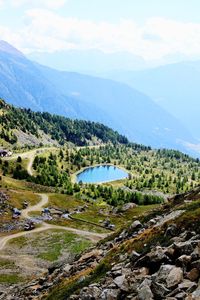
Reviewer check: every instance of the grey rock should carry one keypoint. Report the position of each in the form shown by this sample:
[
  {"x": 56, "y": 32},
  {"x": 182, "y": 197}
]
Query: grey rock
[
  {"x": 175, "y": 277},
  {"x": 184, "y": 260},
  {"x": 144, "y": 290},
  {"x": 162, "y": 274},
  {"x": 152, "y": 222},
  {"x": 90, "y": 293},
  {"x": 181, "y": 295},
  {"x": 172, "y": 230},
  {"x": 159, "y": 289},
  {"x": 119, "y": 280},
  {"x": 185, "y": 248},
  {"x": 153, "y": 259},
  {"x": 136, "y": 225},
  {"x": 109, "y": 294},
  {"x": 67, "y": 268},
  {"x": 196, "y": 294},
  {"x": 128, "y": 206},
  {"x": 187, "y": 285},
  {"x": 196, "y": 253}
]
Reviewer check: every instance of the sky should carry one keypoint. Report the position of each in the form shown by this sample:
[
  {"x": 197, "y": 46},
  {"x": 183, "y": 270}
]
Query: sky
[{"x": 151, "y": 29}]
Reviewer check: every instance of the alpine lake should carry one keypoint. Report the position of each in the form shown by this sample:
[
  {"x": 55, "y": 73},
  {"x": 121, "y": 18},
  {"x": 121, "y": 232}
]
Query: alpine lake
[{"x": 100, "y": 174}]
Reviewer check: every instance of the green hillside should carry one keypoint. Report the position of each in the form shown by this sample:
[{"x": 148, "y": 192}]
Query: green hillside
[{"x": 14, "y": 121}]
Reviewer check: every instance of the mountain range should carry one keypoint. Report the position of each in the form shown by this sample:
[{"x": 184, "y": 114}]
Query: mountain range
[
  {"x": 25, "y": 83},
  {"x": 175, "y": 87}
]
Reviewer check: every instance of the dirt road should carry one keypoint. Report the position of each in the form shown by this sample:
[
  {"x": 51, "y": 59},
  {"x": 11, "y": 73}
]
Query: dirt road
[
  {"x": 94, "y": 237},
  {"x": 38, "y": 207},
  {"x": 29, "y": 155}
]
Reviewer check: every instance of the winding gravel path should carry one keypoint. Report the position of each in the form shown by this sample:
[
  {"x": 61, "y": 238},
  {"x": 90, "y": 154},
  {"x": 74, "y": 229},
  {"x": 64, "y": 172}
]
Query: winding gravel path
[
  {"x": 94, "y": 237},
  {"x": 29, "y": 155},
  {"x": 38, "y": 207}
]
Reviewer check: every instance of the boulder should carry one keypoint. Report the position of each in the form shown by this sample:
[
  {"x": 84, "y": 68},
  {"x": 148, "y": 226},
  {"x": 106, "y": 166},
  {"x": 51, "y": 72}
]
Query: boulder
[
  {"x": 196, "y": 294},
  {"x": 180, "y": 296},
  {"x": 152, "y": 222},
  {"x": 174, "y": 277},
  {"x": 193, "y": 274},
  {"x": 172, "y": 230},
  {"x": 187, "y": 285},
  {"x": 128, "y": 206},
  {"x": 144, "y": 290},
  {"x": 140, "y": 273},
  {"x": 184, "y": 260},
  {"x": 136, "y": 225},
  {"x": 94, "y": 254},
  {"x": 159, "y": 290},
  {"x": 121, "y": 282},
  {"x": 196, "y": 253},
  {"x": 153, "y": 259},
  {"x": 162, "y": 274},
  {"x": 184, "y": 248},
  {"x": 67, "y": 268},
  {"x": 109, "y": 294},
  {"x": 90, "y": 293}
]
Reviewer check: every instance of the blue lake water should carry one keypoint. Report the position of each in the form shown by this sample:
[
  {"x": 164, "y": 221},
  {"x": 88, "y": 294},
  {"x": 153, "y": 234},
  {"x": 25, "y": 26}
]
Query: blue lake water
[{"x": 102, "y": 173}]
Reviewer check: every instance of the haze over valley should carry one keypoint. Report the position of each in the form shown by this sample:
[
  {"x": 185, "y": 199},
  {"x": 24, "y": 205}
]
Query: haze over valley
[{"x": 99, "y": 150}]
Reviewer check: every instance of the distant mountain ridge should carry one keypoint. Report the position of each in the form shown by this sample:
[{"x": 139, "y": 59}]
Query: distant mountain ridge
[
  {"x": 27, "y": 84},
  {"x": 7, "y": 48},
  {"x": 175, "y": 87},
  {"x": 137, "y": 116}
]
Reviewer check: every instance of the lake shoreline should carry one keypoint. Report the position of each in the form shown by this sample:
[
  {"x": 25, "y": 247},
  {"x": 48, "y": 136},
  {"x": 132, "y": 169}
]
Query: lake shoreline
[{"x": 74, "y": 175}]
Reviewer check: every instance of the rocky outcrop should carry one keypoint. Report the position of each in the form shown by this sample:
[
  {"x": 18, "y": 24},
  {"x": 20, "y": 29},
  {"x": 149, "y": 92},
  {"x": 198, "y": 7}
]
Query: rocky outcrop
[
  {"x": 162, "y": 273},
  {"x": 141, "y": 266}
]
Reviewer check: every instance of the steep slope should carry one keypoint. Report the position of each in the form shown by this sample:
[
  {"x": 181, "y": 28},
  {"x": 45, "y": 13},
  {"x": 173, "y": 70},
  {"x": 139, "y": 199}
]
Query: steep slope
[
  {"x": 22, "y": 84},
  {"x": 174, "y": 87},
  {"x": 133, "y": 112},
  {"x": 156, "y": 257},
  {"x": 15, "y": 122},
  {"x": 26, "y": 84}
]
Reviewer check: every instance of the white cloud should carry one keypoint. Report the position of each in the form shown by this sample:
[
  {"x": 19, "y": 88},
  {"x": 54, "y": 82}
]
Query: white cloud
[
  {"x": 49, "y": 4},
  {"x": 2, "y": 2},
  {"x": 48, "y": 31}
]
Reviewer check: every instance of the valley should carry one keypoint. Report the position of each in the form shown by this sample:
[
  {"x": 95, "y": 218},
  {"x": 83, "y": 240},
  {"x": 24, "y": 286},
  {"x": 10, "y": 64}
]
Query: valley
[
  {"x": 72, "y": 218},
  {"x": 84, "y": 97},
  {"x": 51, "y": 221},
  {"x": 99, "y": 150},
  {"x": 31, "y": 252}
]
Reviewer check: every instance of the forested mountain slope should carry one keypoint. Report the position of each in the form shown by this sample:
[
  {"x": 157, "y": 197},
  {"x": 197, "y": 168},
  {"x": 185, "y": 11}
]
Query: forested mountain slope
[
  {"x": 27, "y": 84},
  {"x": 60, "y": 129}
]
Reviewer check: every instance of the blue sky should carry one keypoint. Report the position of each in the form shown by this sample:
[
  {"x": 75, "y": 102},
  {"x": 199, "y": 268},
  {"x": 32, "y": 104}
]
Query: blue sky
[
  {"x": 139, "y": 10},
  {"x": 151, "y": 29},
  {"x": 109, "y": 10}
]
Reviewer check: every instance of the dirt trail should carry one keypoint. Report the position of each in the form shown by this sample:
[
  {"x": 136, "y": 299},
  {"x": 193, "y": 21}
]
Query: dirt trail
[
  {"x": 30, "y": 163},
  {"x": 30, "y": 155},
  {"x": 37, "y": 207},
  {"x": 44, "y": 226},
  {"x": 94, "y": 237}
]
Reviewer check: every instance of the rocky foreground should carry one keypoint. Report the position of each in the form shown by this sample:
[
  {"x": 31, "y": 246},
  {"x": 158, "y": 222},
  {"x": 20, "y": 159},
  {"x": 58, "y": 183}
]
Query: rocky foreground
[{"x": 157, "y": 257}]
